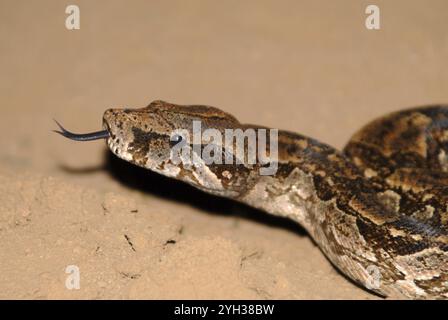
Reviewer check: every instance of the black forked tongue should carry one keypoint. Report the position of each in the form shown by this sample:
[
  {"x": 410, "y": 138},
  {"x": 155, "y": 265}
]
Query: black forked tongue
[{"x": 103, "y": 134}]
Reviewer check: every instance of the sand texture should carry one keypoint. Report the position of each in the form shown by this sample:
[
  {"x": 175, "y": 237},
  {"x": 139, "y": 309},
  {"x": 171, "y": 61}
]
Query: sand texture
[{"x": 305, "y": 66}]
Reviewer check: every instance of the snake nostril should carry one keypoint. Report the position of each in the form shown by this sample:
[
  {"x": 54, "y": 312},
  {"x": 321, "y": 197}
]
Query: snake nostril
[{"x": 106, "y": 125}]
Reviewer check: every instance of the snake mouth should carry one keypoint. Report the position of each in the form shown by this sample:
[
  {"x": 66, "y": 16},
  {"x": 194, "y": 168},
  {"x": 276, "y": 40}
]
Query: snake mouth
[{"x": 103, "y": 134}]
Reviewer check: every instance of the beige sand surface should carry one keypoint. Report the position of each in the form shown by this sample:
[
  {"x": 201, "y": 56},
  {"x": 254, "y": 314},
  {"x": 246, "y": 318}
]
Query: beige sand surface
[{"x": 307, "y": 66}]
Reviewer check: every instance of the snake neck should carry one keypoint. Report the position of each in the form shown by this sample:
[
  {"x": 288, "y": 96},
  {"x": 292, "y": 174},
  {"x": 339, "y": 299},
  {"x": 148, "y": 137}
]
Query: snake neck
[
  {"x": 373, "y": 215},
  {"x": 358, "y": 229}
]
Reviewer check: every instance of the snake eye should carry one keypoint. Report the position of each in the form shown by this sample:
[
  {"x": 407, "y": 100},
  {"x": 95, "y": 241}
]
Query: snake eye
[{"x": 175, "y": 139}]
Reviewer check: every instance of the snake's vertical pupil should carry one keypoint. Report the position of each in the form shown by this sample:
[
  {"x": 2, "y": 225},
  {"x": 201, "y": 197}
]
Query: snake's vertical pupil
[{"x": 175, "y": 139}]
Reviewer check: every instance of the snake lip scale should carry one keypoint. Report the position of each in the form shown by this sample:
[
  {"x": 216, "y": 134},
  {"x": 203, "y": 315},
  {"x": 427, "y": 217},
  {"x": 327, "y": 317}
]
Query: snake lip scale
[{"x": 378, "y": 209}]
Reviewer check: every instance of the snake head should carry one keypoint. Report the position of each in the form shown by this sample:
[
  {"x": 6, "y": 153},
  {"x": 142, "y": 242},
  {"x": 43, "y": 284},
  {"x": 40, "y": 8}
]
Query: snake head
[{"x": 161, "y": 137}]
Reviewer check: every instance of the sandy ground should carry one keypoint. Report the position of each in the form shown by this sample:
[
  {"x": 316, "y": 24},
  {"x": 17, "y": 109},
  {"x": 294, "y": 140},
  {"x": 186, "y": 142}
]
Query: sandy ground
[{"x": 307, "y": 66}]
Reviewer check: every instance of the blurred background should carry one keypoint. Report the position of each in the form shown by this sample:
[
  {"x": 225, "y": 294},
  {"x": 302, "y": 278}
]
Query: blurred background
[{"x": 306, "y": 66}]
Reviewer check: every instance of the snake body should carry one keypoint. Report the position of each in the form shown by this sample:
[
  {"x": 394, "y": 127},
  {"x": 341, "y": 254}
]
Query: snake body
[{"x": 378, "y": 209}]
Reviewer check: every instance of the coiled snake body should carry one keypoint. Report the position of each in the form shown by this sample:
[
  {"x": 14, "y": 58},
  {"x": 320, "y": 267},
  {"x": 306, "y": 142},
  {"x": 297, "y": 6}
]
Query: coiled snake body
[{"x": 378, "y": 210}]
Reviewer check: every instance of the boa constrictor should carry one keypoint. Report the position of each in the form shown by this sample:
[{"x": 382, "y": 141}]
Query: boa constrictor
[{"x": 377, "y": 209}]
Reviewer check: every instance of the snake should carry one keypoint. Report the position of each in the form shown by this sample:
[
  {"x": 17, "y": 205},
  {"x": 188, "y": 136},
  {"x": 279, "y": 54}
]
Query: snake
[{"x": 377, "y": 209}]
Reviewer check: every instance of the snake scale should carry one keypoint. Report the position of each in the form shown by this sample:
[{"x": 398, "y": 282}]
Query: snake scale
[{"x": 379, "y": 208}]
